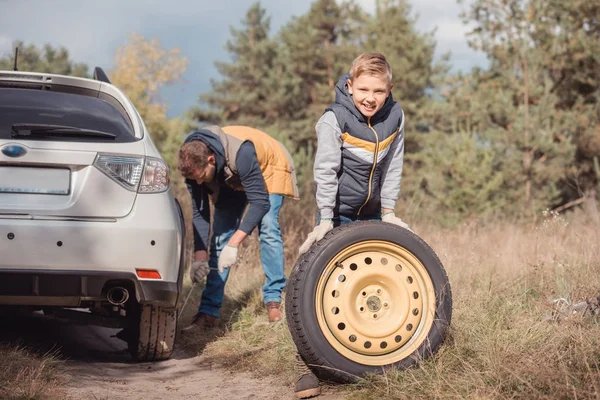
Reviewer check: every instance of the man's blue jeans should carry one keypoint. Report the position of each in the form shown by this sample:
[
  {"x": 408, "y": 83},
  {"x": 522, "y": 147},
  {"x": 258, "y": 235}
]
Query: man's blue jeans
[{"x": 225, "y": 222}]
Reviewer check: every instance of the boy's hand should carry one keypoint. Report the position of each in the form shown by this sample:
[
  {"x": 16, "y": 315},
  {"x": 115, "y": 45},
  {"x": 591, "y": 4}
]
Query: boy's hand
[
  {"x": 391, "y": 218},
  {"x": 317, "y": 234},
  {"x": 227, "y": 258}
]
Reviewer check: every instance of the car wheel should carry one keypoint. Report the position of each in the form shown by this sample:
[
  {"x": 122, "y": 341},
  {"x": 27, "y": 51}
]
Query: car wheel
[
  {"x": 368, "y": 297},
  {"x": 155, "y": 334}
]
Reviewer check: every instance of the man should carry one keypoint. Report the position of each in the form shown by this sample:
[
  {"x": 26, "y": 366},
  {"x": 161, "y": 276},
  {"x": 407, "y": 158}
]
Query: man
[{"x": 236, "y": 167}]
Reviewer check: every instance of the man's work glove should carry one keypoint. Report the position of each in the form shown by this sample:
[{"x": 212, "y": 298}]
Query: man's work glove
[
  {"x": 317, "y": 234},
  {"x": 227, "y": 258},
  {"x": 391, "y": 218},
  {"x": 199, "y": 270}
]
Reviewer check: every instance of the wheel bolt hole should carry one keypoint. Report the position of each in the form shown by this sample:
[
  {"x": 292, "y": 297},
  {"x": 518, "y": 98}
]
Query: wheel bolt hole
[
  {"x": 352, "y": 338},
  {"x": 335, "y": 310},
  {"x": 335, "y": 293},
  {"x": 398, "y": 339},
  {"x": 398, "y": 267},
  {"x": 362, "y": 309},
  {"x": 367, "y": 345},
  {"x": 364, "y": 293},
  {"x": 415, "y": 311},
  {"x": 353, "y": 267},
  {"x": 342, "y": 278},
  {"x": 383, "y": 345},
  {"x": 416, "y": 295},
  {"x": 385, "y": 305},
  {"x": 378, "y": 291},
  {"x": 384, "y": 261},
  {"x": 368, "y": 261},
  {"x": 59, "y": 243},
  {"x": 409, "y": 327},
  {"x": 374, "y": 315},
  {"x": 341, "y": 326},
  {"x": 409, "y": 279}
]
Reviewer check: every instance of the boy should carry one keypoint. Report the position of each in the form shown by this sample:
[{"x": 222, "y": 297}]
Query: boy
[
  {"x": 358, "y": 164},
  {"x": 237, "y": 167}
]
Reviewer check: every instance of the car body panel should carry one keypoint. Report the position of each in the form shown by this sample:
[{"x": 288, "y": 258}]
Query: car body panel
[{"x": 62, "y": 249}]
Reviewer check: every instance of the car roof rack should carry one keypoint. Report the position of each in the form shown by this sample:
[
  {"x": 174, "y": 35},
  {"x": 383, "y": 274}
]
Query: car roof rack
[{"x": 99, "y": 75}]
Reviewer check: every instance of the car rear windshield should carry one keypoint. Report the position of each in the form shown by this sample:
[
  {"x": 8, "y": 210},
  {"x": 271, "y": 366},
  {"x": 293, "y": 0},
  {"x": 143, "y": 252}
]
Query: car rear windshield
[{"x": 43, "y": 107}]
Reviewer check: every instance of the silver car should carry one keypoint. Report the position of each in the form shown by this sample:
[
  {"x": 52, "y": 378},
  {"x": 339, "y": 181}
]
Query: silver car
[{"x": 89, "y": 227}]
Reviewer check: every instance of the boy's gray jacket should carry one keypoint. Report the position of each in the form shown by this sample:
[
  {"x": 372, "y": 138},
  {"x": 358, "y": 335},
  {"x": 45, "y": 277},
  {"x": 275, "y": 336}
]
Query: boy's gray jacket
[{"x": 358, "y": 165}]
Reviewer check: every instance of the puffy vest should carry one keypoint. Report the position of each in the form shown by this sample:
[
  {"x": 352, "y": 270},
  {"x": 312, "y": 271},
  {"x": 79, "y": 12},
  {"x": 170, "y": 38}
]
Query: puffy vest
[
  {"x": 275, "y": 162},
  {"x": 365, "y": 147}
]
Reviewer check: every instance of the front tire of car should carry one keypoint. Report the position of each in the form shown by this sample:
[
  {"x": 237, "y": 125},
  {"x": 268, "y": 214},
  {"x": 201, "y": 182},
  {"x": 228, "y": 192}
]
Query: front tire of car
[{"x": 156, "y": 330}]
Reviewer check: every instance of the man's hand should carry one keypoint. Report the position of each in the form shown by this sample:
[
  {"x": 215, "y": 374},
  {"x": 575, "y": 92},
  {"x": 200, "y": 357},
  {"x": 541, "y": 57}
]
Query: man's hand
[
  {"x": 317, "y": 234},
  {"x": 199, "y": 270},
  {"x": 227, "y": 258},
  {"x": 389, "y": 217}
]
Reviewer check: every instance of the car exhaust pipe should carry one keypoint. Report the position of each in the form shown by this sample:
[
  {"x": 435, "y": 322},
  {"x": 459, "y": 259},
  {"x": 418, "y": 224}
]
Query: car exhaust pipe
[{"x": 117, "y": 295}]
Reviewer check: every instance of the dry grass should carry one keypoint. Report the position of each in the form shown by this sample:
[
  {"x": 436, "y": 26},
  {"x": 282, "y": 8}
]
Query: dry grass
[
  {"x": 505, "y": 280},
  {"x": 25, "y": 375}
]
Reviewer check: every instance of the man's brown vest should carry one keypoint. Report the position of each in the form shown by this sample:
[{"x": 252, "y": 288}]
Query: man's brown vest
[{"x": 275, "y": 162}]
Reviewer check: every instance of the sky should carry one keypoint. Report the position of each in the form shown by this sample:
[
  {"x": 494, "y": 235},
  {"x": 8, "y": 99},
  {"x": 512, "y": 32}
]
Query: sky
[{"x": 92, "y": 31}]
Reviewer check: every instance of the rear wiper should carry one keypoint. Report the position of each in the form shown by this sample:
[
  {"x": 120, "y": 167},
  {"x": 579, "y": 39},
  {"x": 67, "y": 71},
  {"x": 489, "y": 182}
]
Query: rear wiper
[{"x": 19, "y": 130}]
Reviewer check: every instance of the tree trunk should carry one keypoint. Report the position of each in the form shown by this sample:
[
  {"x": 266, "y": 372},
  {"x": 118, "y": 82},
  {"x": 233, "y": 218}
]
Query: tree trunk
[
  {"x": 528, "y": 156},
  {"x": 329, "y": 65},
  {"x": 590, "y": 205}
]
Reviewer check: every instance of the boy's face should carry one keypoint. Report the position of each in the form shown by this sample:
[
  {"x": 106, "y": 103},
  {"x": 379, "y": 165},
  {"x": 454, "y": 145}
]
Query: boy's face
[
  {"x": 206, "y": 174},
  {"x": 369, "y": 93}
]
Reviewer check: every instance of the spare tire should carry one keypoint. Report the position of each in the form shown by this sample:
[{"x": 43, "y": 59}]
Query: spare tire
[{"x": 369, "y": 296}]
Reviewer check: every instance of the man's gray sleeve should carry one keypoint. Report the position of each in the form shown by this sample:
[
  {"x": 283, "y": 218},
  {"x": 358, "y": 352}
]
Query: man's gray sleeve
[
  {"x": 392, "y": 173},
  {"x": 327, "y": 162}
]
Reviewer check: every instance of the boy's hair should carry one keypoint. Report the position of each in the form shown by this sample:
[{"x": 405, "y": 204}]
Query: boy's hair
[
  {"x": 371, "y": 64},
  {"x": 192, "y": 155}
]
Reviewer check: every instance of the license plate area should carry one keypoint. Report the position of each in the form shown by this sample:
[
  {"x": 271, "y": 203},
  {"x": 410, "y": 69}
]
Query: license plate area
[{"x": 33, "y": 180}]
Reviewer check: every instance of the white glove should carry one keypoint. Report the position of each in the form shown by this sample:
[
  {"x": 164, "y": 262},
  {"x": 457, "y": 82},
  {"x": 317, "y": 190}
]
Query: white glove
[
  {"x": 227, "y": 258},
  {"x": 199, "y": 270},
  {"x": 392, "y": 219},
  {"x": 317, "y": 234}
]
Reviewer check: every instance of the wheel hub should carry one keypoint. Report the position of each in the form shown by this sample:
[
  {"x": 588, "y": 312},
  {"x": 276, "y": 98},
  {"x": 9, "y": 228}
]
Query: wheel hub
[
  {"x": 377, "y": 301},
  {"x": 374, "y": 304}
]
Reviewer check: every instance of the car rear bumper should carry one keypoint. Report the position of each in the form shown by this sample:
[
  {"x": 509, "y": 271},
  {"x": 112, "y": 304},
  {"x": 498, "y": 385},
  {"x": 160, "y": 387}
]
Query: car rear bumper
[
  {"x": 72, "y": 288},
  {"x": 61, "y": 254}
]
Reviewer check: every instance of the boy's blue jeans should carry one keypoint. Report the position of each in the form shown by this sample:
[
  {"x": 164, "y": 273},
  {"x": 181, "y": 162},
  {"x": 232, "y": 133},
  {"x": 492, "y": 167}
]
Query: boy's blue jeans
[{"x": 225, "y": 223}]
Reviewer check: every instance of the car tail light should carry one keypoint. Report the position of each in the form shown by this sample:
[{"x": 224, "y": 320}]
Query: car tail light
[
  {"x": 155, "y": 178},
  {"x": 125, "y": 170},
  {"x": 144, "y": 175}
]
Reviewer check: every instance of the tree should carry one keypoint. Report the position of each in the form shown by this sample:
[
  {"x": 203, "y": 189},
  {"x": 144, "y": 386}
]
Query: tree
[
  {"x": 47, "y": 59},
  {"x": 142, "y": 68},
  {"x": 514, "y": 104},
  {"x": 243, "y": 92},
  {"x": 391, "y": 31}
]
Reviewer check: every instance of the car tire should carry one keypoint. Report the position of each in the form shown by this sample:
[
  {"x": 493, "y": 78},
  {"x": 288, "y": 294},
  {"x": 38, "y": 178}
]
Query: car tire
[
  {"x": 368, "y": 297},
  {"x": 156, "y": 331}
]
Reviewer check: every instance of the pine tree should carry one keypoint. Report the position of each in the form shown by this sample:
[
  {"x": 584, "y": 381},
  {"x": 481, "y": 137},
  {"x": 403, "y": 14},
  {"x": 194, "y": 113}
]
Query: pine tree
[
  {"x": 516, "y": 105},
  {"x": 242, "y": 93},
  {"x": 47, "y": 59},
  {"x": 391, "y": 31}
]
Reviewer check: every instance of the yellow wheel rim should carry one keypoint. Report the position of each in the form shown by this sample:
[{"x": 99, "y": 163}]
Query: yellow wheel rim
[{"x": 375, "y": 303}]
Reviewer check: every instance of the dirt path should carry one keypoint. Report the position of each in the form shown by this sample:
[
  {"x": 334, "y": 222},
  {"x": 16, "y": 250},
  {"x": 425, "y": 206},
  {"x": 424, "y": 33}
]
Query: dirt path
[{"x": 100, "y": 368}]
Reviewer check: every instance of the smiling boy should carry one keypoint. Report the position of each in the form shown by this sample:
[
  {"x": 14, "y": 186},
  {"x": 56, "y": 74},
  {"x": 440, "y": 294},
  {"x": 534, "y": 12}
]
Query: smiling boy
[{"x": 358, "y": 165}]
